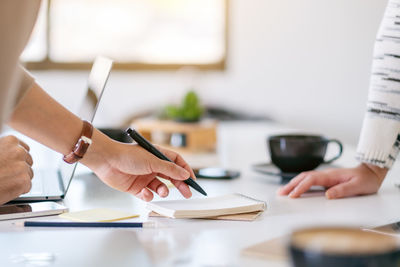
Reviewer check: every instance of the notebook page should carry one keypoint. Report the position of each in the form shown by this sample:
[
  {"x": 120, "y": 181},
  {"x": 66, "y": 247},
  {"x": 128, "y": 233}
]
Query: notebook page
[{"x": 212, "y": 203}]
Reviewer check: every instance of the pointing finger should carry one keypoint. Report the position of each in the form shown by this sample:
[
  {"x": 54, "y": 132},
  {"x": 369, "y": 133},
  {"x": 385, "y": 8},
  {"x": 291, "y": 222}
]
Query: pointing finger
[
  {"x": 183, "y": 188},
  {"x": 170, "y": 169},
  {"x": 175, "y": 157}
]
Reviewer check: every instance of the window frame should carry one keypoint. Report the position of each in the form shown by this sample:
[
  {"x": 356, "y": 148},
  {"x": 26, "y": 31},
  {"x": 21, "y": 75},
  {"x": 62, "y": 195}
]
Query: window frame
[{"x": 48, "y": 64}]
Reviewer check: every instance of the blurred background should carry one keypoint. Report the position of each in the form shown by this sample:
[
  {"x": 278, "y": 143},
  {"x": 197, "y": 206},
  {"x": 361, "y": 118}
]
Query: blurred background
[{"x": 303, "y": 63}]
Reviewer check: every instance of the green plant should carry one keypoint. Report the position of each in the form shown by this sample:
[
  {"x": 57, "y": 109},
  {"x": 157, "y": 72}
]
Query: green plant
[{"x": 190, "y": 109}]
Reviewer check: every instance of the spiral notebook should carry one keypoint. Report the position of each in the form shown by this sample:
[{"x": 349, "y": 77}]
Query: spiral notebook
[{"x": 207, "y": 207}]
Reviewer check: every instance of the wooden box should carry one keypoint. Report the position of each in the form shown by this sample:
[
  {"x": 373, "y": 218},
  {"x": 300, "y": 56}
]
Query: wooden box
[{"x": 182, "y": 136}]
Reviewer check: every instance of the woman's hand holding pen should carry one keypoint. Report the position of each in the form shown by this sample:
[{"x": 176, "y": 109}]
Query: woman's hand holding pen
[{"x": 130, "y": 168}]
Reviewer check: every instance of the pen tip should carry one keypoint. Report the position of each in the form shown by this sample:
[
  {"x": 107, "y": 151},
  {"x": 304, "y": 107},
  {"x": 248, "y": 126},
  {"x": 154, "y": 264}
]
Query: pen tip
[{"x": 203, "y": 192}]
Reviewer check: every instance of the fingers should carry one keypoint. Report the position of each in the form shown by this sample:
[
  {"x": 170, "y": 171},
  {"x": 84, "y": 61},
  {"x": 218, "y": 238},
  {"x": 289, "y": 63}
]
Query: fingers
[
  {"x": 140, "y": 182},
  {"x": 347, "y": 189},
  {"x": 304, "y": 181},
  {"x": 28, "y": 159},
  {"x": 19, "y": 151},
  {"x": 170, "y": 169},
  {"x": 146, "y": 195},
  {"x": 15, "y": 165},
  {"x": 175, "y": 157},
  {"x": 159, "y": 187},
  {"x": 182, "y": 187},
  {"x": 303, "y": 186},
  {"x": 22, "y": 168},
  {"x": 23, "y": 176},
  {"x": 23, "y": 155},
  {"x": 285, "y": 190},
  {"x": 12, "y": 140},
  {"x": 24, "y": 145},
  {"x": 30, "y": 172},
  {"x": 138, "y": 173},
  {"x": 151, "y": 182}
]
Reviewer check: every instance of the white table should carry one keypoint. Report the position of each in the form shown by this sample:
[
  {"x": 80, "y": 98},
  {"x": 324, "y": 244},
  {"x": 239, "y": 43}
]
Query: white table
[{"x": 219, "y": 243}]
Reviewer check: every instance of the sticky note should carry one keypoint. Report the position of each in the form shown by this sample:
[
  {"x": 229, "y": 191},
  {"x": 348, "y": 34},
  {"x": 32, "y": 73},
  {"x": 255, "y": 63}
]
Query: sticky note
[
  {"x": 97, "y": 215},
  {"x": 166, "y": 182}
]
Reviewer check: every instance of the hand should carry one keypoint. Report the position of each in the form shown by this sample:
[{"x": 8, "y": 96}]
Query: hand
[
  {"x": 361, "y": 180},
  {"x": 130, "y": 168},
  {"x": 15, "y": 168}
]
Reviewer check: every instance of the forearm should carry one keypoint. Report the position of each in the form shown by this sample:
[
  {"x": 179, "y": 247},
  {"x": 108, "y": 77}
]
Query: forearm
[{"x": 42, "y": 118}]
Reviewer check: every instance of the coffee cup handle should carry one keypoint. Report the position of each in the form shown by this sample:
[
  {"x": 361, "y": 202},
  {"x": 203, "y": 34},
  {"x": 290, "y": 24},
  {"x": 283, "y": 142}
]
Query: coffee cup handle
[{"x": 340, "y": 150}]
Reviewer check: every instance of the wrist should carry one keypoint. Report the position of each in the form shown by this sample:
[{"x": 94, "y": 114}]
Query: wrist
[
  {"x": 97, "y": 151},
  {"x": 378, "y": 171},
  {"x": 81, "y": 145}
]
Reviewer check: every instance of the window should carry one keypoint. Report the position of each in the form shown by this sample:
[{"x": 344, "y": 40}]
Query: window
[{"x": 137, "y": 34}]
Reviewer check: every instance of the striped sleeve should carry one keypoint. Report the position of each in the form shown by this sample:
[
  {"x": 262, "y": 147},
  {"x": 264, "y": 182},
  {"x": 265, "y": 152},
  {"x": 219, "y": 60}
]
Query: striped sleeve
[{"x": 379, "y": 142}]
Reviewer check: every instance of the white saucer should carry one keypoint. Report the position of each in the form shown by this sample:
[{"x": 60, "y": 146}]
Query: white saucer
[{"x": 271, "y": 169}]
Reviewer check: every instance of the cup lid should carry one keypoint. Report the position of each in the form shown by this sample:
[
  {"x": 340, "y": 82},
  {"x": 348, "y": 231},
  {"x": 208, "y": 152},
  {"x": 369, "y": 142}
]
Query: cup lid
[{"x": 343, "y": 241}]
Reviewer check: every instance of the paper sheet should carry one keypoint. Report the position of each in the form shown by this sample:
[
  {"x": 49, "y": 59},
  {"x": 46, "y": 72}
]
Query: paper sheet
[
  {"x": 251, "y": 216},
  {"x": 209, "y": 203},
  {"x": 206, "y": 207},
  {"x": 97, "y": 215}
]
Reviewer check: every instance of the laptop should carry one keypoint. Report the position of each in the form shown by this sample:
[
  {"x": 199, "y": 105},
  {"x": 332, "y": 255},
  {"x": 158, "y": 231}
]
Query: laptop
[{"x": 52, "y": 183}]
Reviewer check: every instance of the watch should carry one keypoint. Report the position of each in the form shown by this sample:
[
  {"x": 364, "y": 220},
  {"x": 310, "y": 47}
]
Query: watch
[{"x": 82, "y": 145}]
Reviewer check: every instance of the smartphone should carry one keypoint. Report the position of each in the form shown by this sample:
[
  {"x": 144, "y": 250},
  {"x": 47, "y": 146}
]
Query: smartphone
[
  {"x": 17, "y": 211},
  {"x": 216, "y": 173}
]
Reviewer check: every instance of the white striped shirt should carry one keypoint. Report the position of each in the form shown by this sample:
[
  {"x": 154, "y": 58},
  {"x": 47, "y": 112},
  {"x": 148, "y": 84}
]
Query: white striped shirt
[{"x": 379, "y": 140}]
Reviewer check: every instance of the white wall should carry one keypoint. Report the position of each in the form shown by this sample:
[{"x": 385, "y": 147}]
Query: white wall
[{"x": 306, "y": 63}]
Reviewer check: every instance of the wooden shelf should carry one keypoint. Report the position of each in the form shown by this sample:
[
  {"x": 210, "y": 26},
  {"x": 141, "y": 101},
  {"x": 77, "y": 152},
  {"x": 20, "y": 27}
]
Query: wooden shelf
[{"x": 186, "y": 137}]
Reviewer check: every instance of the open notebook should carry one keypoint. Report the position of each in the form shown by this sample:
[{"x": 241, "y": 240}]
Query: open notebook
[{"x": 207, "y": 207}]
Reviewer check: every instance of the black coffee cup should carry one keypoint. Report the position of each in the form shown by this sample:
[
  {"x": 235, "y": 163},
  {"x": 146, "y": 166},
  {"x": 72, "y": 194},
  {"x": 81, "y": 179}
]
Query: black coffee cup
[
  {"x": 295, "y": 153},
  {"x": 344, "y": 247}
]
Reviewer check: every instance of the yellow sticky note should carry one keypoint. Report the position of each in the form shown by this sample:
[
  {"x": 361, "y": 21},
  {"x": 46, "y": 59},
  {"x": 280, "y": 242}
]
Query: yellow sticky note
[
  {"x": 167, "y": 182},
  {"x": 97, "y": 215}
]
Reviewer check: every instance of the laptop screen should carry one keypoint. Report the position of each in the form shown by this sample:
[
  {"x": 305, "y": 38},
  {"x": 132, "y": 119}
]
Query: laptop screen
[{"x": 96, "y": 84}]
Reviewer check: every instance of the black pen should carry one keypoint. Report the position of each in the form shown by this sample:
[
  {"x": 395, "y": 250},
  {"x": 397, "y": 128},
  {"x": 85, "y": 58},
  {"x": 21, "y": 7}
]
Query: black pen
[{"x": 150, "y": 148}]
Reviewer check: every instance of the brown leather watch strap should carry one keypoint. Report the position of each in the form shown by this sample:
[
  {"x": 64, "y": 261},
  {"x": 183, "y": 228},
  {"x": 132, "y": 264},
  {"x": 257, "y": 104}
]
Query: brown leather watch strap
[{"x": 81, "y": 145}]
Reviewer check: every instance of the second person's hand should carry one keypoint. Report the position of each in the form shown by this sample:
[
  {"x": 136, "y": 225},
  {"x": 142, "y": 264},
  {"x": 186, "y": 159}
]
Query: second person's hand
[{"x": 361, "y": 180}]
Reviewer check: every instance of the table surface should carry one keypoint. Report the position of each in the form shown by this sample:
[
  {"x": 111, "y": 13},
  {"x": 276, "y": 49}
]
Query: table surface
[{"x": 195, "y": 242}]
